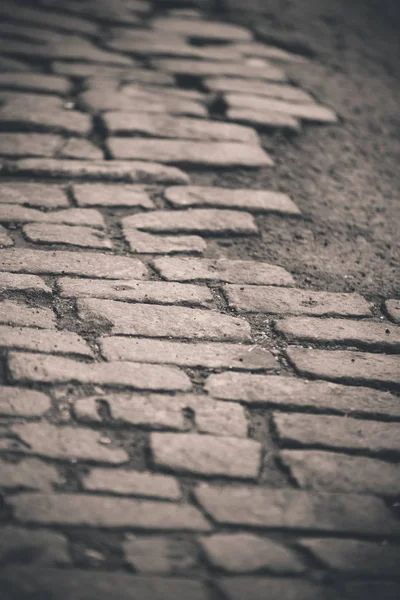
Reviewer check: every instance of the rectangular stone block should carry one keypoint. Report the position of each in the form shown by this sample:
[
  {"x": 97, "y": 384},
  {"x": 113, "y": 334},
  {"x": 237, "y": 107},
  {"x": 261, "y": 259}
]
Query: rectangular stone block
[
  {"x": 43, "y": 547},
  {"x": 272, "y": 300},
  {"x": 10, "y": 213},
  {"x": 392, "y": 308},
  {"x": 92, "y": 194},
  {"x": 43, "y": 340},
  {"x": 307, "y": 112},
  {"x": 24, "y": 315},
  {"x": 132, "y": 483},
  {"x": 69, "y": 235},
  {"x": 204, "y": 68},
  {"x": 163, "y": 321},
  {"x": 39, "y": 195},
  {"x": 146, "y": 243},
  {"x": 19, "y": 402},
  {"x": 202, "y": 29},
  {"x": 256, "y": 102},
  {"x": 26, "y": 367},
  {"x": 264, "y": 119},
  {"x": 24, "y": 283},
  {"x": 235, "y": 86},
  {"x": 35, "y": 82},
  {"x": 28, "y": 473},
  {"x": 222, "y": 269},
  {"x": 29, "y": 144},
  {"x": 163, "y": 104}
]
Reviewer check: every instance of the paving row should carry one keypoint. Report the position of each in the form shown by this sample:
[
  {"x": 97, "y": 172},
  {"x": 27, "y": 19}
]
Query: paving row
[{"x": 174, "y": 422}]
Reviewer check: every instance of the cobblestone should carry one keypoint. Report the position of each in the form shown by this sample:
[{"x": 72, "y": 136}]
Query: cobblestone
[
  {"x": 223, "y": 269},
  {"x": 5, "y": 239},
  {"x": 293, "y": 509},
  {"x": 10, "y": 213},
  {"x": 13, "y": 313},
  {"x": 307, "y": 112},
  {"x": 375, "y": 335},
  {"x": 346, "y": 366},
  {"x": 210, "y": 355},
  {"x": 80, "y": 148},
  {"x": 45, "y": 18},
  {"x": 152, "y": 103},
  {"x": 264, "y": 119},
  {"x": 60, "y": 262},
  {"x": 146, "y": 243},
  {"x": 201, "y": 29},
  {"x": 253, "y": 588},
  {"x": 43, "y": 547},
  {"x": 334, "y": 472},
  {"x": 156, "y": 554},
  {"x": 28, "y": 144},
  {"x": 290, "y": 392},
  {"x": 246, "y": 553},
  {"x": 92, "y": 194},
  {"x": 206, "y": 454},
  {"x": 43, "y": 340},
  {"x": 259, "y": 50},
  {"x": 157, "y": 292},
  {"x": 244, "y": 87},
  {"x": 205, "y": 221},
  {"x": 84, "y": 237},
  {"x": 35, "y": 82},
  {"x": 33, "y": 194},
  {"x": 261, "y": 201},
  {"x": 23, "y": 283},
  {"x": 216, "y": 154},
  {"x": 163, "y": 321},
  {"x": 106, "y": 511},
  {"x": 326, "y": 431},
  {"x": 29, "y": 473},
  {"x": 203, "y": 68},
  {"x": 135, "y": 483},
  {"x": 296, "y": 302},
  {"x": 393, "y": 310},
  {"x": 54, "y": 369},
  {"x": 18, "y": 402}
]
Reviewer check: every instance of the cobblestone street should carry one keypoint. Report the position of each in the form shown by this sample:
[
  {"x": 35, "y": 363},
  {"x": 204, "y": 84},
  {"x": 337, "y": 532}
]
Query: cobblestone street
[{"x": 180, "y": 417}]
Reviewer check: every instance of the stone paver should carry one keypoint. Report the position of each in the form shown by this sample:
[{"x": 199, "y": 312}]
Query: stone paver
[
  {"x": 33, "y": 194},
  {"x": 264, "y": 119},
  {"x": 393, "y": 310},
  {"x": 29, "y": 144},
  {"x": 203, "y": 68},
  {"x": 334, "y": 472},
  {"x": 157, "y": 292},
  {"x": 239, "y": 87},
  {"x": 246, "y": 553},
  {"x": 35, "y": 82},
  {"x": 10, "y": 213},
  {"x": 45, "y": 18},
  {"x": 375, "y": 335},
  {"x": 80, "y": 148},
  {"x": 206, "y": 454},
  {"x": 290, "y": 392},
  {"x": 84, "y": 237},
  {"x": 14, "y": 313},
  {"x": 83, "y": 69},
  {"x": 45, "y": 547},
  {"x": 146, "y": 243},
  {"x": 253, "y": 588},
  {"x": 272, "y": 300},
  {"x": 164, "y": 126},
  {"x": 327, "y": 431},
  {"x": 47, "y": 369},
  {"x": 292, "y": 509},
  {"x": 223, "y": 269},
  {"x": 43, "y": 340},
  {"x": 60, "y": 262},
  {"x": 204, "y": 221},
  {"x": 163, "y": 321},
  {"x": 211, "y": 355},
  {"x": 19, "y": 402},
  {"x": 135, "y": 483},
  {"x": 157, "y": 554},
  {"x": 257, "y": 102},
  {"x": 25, "y": 283},
  {"x": 92, "y": 194},
  {"x": 346, "y": 366},
  {"x": 215, "y": 154},
  {"x": 113, "y": 100},
  {"x": 261, "y": 201},
  {"x": 5, "y": 239},
  {"x": 255, "y": 49},
  {"x": 307, "y": 112},
  {"x": 29, "y": 473},
  {"x": 107, "y": 511},
  {"x": 199, "y": 28}
]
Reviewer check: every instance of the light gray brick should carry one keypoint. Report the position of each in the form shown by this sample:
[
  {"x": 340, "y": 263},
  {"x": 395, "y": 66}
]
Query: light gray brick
[
  {"x": 14, "y": 313},
  {"x": 307, "y": 112},
  {"x": 146, "y": 243},
  {"x": 53, "y": 20},
  {"x": 29, "y": 473},
  {"x": 27, "y": 283},
  {"x": 204, "y": 68},
  {"x": 80, "y": 148},
  {"x": 33, "y": 194},
  {"x": 237, "y": 85},
  {"x": 29, "y": 144},
  {"x": 257, "y": 103},
  {"x": 135, "y": 483},
  {"x": 43, "y": 340},
  {"x": 43, "y": 547},
  {"x": 157, "y": 554},
  {"x": 70, "y": 216},
  {"x": 92, "y": 194},
  {"x": 114, "y": 100},
  {"x": 202, "y": 29},
  {"x": 84, "y": 69},
  {"x": 70, "y": 235},
  {"x": 393, "y": 309},
  {"x": 264, "y": 119},
  {"x": 260, "y": 50},
  {"x": 35, "y": 82},
  {"x": 19, "y": 402}
]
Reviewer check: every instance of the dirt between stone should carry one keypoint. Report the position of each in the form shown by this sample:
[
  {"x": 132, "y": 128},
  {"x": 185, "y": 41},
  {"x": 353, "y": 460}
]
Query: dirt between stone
[{"x": 345, "y": 178}]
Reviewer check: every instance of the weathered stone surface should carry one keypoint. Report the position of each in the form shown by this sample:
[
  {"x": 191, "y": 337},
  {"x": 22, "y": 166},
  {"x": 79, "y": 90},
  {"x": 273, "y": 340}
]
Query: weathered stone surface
[
  {"x": 43, "y": 547},
  {"x": 29, "y": 144},
  {"x": 80, "y": 148},
  {"x": 130, "y": 171},
  {"x": 83, "y": 69},
  {"x": 260, "y": 50},
  {"x": 199, "y": 28},
  {"x": 261, "y": 201},
  {"x": 307, "y": 112},
  {"x": 5, "y": 239},
  {"x": 48, "y": 369},
  {"x": 84, "y": 237},
  {"x": 334, "y": 472},
  {"x": 176, "y": 47},
  {"x": 203, "y": 68},
  {"x": 236, "y": 86},
  {"x": 113, "y": 100},
  {"x": 163, "y": 321},
  {"x": 33, "y": 194},
  {"x": 264, "y": 119},
  {"x": 157, "y": 292},
  {"x": 206, "y": 221},
  {"x": 135, "y": 483},
  {"x": 376, "y": 335},
  {"x": 106, "y": 511},
  {"x": 136, "y": 90},
  {"x": 213, "y": 355},
  {"x": 290, "y": 392},
  {"x": 157, "y": 554},
  {"x": 43, "y": 340},
  {"x": 260, "y": 588},
  {"x": 26, "y": 283},
  {"x": 46, "y": 18},
  {"x": 35, "y": 82},
  {"x": 164, "y": 126},
  {"x": 274, "y": 300},
  {"x": 29, "y": 473},
  {"x": 14, "y": 313},
  {"x": 70, "y": 216},
  {"x": 18, "y": 402},
  {"x": 65, "y": 443},
  {"x": 60, "y": 262},
  {"x": 293, "y": 509},
  {"x": 257, "y": 102},
  {"x": 222, "y": 269},
  {"x": 78, "y": 583},
  {"x": 246, "y": 553},
  {"x": 346, "y": 366},
  {"x": 350, "y": 556},
  {"x": 216, "y": 154},
  {"x": 206, "y": 454},
  {"x": 393, "y": 310},
  {"x": 327, "y": 431},
  {"x": 92, "y": 194},
  {"x": 165, "y": 412},
  {"x": 146, "y": 243}
]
